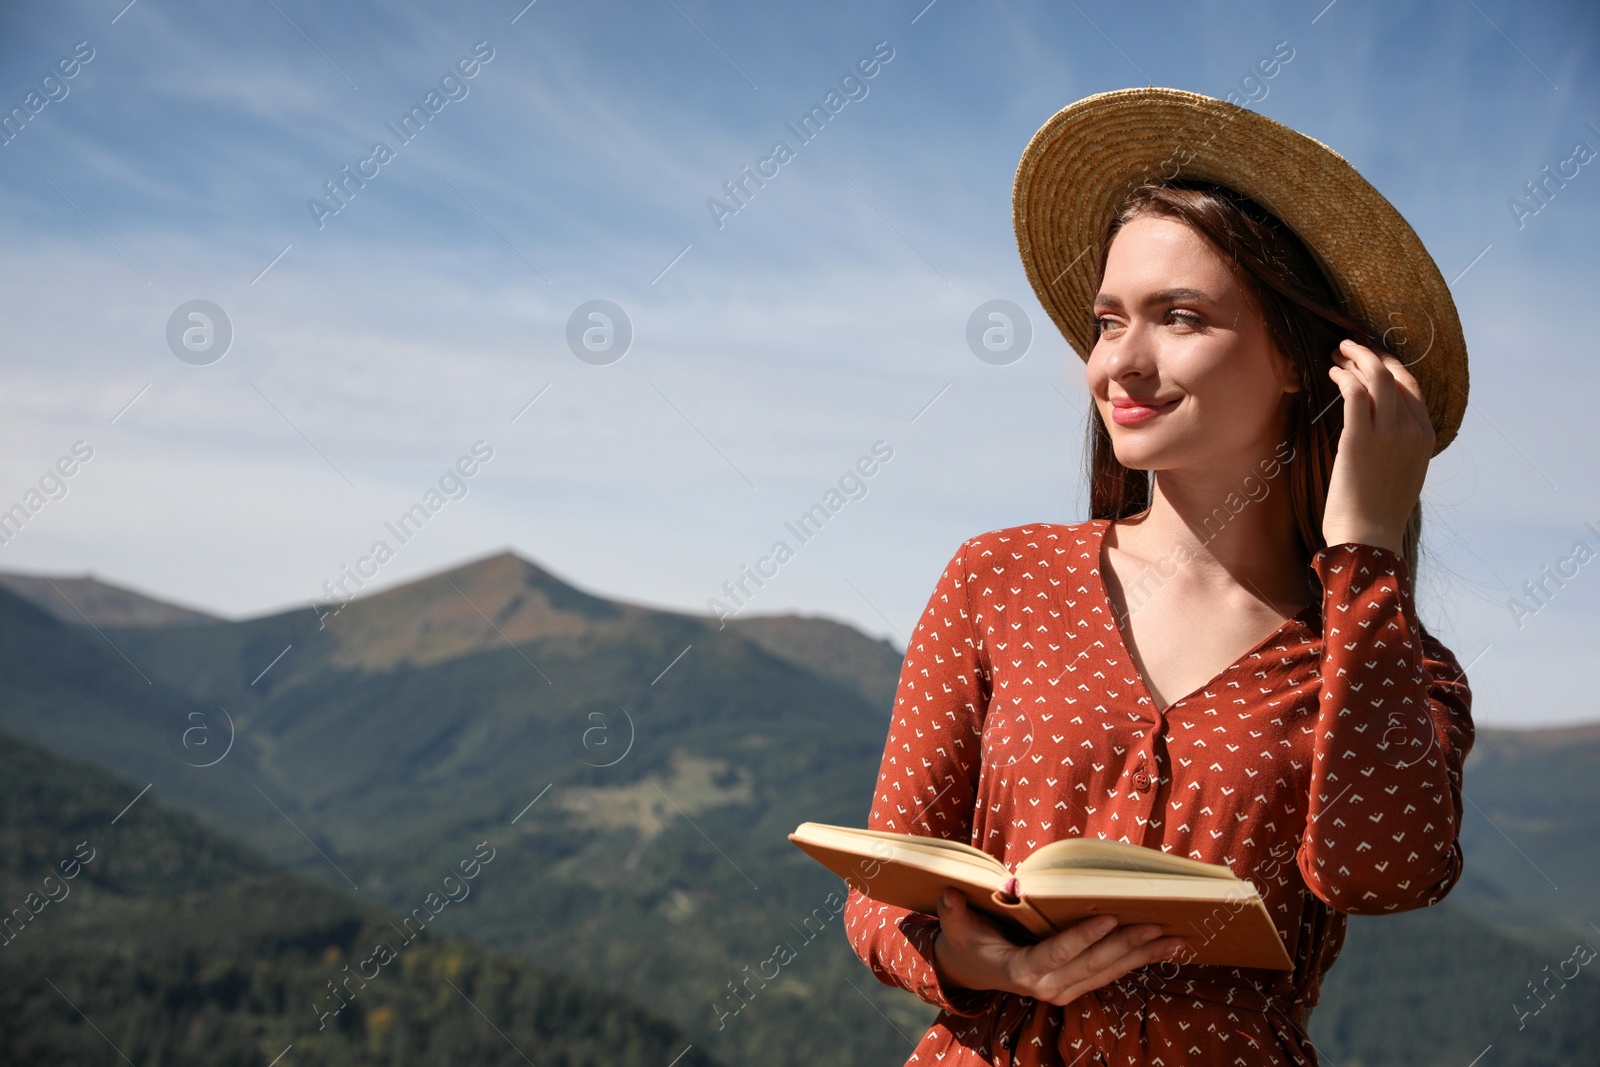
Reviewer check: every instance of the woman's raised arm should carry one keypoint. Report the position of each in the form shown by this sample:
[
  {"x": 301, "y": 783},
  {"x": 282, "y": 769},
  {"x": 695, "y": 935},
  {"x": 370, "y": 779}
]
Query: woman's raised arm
[{"x": 1393, "y": 729}]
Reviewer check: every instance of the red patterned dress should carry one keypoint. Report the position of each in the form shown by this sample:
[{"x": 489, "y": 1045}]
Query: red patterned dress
[{"x": 1323, "y": 765}]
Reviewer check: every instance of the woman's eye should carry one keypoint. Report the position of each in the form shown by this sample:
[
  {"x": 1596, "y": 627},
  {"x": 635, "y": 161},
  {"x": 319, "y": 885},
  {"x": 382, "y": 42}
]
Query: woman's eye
[
  {"x": 1102, "y": 324},
  {"x": 1187, "y": 318}
]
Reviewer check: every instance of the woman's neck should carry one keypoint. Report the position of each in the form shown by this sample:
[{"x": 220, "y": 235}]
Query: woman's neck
[{"x": 1231, "y": 529}]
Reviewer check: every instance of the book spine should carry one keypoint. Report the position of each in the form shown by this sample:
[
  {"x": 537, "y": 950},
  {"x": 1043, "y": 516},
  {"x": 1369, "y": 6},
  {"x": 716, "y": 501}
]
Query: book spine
[{"x": 1026, "y": 914}]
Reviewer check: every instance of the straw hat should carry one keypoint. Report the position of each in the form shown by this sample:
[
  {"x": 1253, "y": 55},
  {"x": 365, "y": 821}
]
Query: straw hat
[{"x": 1088, "y": 156}]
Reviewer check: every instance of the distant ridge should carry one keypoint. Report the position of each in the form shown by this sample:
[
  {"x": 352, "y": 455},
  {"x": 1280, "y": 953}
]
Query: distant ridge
[
  {"x": 76, "y": 599},
  {"x": 478, "y": 606},
  {"x": 832, "y": 649},
  {"x": 504, "y": 599},
  {"x": 1530, "y": 740}
]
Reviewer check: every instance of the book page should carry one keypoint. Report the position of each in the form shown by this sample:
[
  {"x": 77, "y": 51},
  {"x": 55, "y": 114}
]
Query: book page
[
  {"x": 861, "y": 840},
  {"x": 897, "y": 869},
  {"x": 1041, "y": 887},
  {"x": 1093, "y": 854}
]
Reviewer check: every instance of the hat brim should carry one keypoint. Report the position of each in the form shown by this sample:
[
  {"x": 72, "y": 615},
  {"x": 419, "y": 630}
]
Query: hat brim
[{"x": 1080, "y": 165}]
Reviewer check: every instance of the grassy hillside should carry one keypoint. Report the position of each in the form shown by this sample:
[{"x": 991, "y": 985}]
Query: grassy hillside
[{"x": 144, "y": 935}]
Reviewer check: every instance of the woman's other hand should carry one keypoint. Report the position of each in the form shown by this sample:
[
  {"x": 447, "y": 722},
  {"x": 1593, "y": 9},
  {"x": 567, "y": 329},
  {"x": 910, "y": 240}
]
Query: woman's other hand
[
  {"x": 971, "y": 952},
  {"x": 1383, "y": 450}
]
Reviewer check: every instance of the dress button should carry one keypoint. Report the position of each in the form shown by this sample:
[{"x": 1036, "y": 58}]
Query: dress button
[
  {"x": 1141, "y": 781},
  {"x": 1104, "y": 992}
]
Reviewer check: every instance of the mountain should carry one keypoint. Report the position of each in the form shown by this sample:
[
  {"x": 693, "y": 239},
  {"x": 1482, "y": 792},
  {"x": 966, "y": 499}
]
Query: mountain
[
  {"x": 671, "y": 759},
  {"x": 649, "y": 765},
  {"x": 1532, "y": 832},
  {"x": 487, "y": 604},
  {"x": 1439, "y": 988},
  {"x": 136, "y": 932},
  {"x": 831, "y": 650},
  {"x": 98, "y": 603},
  {"x": 74, "y": 690}
]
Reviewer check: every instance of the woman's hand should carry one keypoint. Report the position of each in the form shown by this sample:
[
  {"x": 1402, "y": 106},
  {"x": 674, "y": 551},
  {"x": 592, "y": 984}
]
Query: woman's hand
[
  {"x": 970, "y": 952},
  {"x": 1383, "y": 450}
]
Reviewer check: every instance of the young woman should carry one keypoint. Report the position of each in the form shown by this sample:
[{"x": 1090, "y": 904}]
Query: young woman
[{"x": 1225, "y": 661}]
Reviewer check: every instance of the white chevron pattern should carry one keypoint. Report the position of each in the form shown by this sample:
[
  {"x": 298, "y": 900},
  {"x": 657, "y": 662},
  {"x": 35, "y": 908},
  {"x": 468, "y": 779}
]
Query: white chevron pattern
[{"x": 1324, "y": 765}]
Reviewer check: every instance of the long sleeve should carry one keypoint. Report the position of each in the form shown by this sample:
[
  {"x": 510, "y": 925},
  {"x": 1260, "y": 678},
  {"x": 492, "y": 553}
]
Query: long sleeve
[
  {"x": 1394, "y": 726},
  {"x": 927, "y": 784}
]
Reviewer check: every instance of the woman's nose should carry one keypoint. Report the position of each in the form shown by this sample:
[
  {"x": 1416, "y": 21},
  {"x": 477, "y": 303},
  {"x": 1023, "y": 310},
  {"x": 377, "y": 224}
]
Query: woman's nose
[{"x": 1133, "y": 353}]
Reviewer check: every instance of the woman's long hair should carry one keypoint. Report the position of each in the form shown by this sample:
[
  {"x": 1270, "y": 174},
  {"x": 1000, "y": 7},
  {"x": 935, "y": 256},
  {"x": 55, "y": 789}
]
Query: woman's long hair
[{"x": 1305, "y": 321}]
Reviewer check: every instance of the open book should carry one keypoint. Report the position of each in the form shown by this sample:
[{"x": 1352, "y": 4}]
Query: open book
[{"x": 1221, "y": 915}]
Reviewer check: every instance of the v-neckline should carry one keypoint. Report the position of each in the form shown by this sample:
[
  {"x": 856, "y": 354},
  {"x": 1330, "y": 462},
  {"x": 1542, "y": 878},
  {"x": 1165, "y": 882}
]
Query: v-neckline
[{"x": 1123, "y": 651}]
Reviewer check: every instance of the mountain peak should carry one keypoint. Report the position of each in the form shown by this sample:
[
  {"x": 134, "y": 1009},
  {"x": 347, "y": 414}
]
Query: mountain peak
[
  {"x": 505, "y": 561},
  {"x": 475, "y": 606}
]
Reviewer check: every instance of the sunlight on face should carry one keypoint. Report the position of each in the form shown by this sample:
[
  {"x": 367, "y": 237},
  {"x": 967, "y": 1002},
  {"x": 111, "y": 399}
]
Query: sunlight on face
[{"x": 1177, "y": 330}]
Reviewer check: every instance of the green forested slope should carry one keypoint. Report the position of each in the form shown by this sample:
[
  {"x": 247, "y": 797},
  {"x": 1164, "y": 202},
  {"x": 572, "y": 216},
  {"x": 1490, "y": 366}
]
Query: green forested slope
[
  {"x": 144, "y": 935},
  {"x": 1436, "y": 987},
  {"x": 1532, "y": 833}
]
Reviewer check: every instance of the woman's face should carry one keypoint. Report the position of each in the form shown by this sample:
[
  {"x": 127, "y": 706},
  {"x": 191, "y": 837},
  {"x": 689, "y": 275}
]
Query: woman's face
[{"x": 1178, "y": 332}]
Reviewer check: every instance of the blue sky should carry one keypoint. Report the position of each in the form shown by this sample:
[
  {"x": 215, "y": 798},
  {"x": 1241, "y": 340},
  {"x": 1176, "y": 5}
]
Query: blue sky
[{"x": 769, "y": 354}]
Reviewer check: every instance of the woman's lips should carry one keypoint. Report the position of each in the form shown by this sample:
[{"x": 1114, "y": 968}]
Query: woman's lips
[{"x": 1130, "y": 414}]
